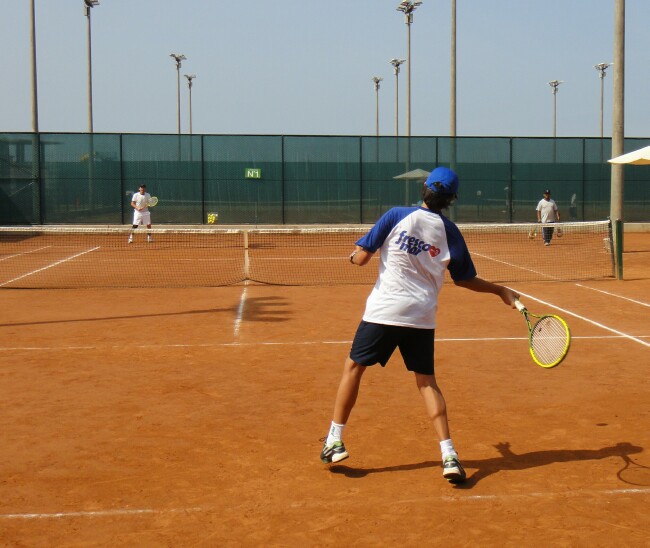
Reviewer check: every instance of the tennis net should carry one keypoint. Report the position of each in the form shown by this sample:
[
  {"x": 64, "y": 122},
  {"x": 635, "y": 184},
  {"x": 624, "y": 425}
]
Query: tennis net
[{"x": 88, "y": 257}]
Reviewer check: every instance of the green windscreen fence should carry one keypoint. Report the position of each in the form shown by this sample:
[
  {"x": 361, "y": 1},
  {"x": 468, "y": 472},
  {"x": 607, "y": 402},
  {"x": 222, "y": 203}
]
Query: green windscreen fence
[{"x": 276, "y": 180}]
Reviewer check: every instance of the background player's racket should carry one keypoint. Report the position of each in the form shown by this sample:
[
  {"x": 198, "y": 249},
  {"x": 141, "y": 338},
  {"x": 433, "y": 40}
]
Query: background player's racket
[
  {"x": 549, "y": 337},
  {"x": 152, "y": 201},
  {"x": 533, "y": 232}
]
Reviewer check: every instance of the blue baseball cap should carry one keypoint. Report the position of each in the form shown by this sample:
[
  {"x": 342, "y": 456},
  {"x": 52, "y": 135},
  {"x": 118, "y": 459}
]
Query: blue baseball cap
[{"x": 444, "y": 180}]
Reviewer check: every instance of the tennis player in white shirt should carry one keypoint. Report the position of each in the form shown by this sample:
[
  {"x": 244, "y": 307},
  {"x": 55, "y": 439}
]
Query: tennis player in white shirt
[
  {"x": 141, "y": 213},
  {"x": 417, "y": 245}
]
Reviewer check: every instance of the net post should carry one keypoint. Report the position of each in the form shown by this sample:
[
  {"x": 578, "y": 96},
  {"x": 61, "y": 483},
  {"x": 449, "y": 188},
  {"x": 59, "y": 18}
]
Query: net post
[{"x": 618, "y": 224}]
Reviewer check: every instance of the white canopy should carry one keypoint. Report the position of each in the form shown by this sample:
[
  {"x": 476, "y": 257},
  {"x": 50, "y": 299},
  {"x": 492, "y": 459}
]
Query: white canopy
[
  {"x": 414, "y": 174},
  {"x": 636, "y": 157}
]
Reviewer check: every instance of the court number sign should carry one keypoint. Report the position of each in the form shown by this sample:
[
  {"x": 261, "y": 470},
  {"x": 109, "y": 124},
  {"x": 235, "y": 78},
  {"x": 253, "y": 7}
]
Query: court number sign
[{"x": 253, "y": 173}]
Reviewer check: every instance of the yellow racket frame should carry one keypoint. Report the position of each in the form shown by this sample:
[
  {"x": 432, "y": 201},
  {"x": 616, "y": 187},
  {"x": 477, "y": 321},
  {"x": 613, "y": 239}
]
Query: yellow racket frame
[
  {"x": 531, "y": 329},
  {"x": 565, "y": 350}
]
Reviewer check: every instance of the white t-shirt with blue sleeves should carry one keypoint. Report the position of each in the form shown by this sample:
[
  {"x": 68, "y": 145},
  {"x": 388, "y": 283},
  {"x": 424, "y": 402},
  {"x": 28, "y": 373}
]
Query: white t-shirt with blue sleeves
[{"x": 416, "y": 246}]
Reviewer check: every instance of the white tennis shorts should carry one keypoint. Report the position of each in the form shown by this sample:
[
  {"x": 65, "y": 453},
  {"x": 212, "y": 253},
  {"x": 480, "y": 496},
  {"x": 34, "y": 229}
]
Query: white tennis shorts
[{"x": 141, "y": 217}]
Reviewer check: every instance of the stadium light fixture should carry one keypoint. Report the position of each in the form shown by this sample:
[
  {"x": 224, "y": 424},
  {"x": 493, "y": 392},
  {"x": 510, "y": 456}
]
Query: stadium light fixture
[
  {"x": 190, "y": 77},
  {"x": 554, "y": 85},
  {"x": 407, "y": 7},
  {"x": 178, "y": 57},
  {"x": 601, "y": 68},
  {"x": 88, "y": 5},
  {"x": 396, "y": 64}
]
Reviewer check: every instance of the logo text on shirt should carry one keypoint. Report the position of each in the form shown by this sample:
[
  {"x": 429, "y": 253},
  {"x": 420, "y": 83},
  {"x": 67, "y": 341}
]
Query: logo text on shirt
[{"x": 414, "y": 246}]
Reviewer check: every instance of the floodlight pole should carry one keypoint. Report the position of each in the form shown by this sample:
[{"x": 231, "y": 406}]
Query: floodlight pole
[
  {"x": 452, "y": 101},
  {"x": 178, "y": 57},
  {"x": 396, "y": 64},
  {"x": 407, "y": 7},
  {"x": 32, "y": 37},
  {"x": 88, "y": 6},
  {"x": 601, "y": 67},
  {"x": 36, "y": 146},
  {"x": 190, "y": 77},
  {"x": 554, "y": 85},
  {"x": 618, "y": 132},
  {"x": 452, "y": 94},
  {"x": 376, "y": 80}
]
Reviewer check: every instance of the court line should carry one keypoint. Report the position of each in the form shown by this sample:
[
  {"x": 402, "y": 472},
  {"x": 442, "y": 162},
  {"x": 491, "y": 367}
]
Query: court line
[
  {"x": 100, "y": 513},
  {"x": 457, "y": 498},
  {"x": 287, "y": 343},
  {"x": 570, "y": 493},
  {"x": 597, "y": 324},
  {"x": 302, "y": 259},
  {"x": 50, "y": 266},
  {"x": 24, "y": 253},
  {"x": 514, "y": 266},
  {"x": 240, "y": 311},
  {"x": 614, "y": 295}
]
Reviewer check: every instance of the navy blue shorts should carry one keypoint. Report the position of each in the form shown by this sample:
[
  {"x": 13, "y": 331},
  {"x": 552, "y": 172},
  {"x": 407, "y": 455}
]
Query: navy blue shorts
[{"x": 375, "y": 343}]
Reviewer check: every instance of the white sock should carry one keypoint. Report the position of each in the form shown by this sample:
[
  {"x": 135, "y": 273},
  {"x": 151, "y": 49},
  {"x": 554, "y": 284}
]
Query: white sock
[
  {"x": 447, "y": 449},
  {"x": 335, "y": 434}
]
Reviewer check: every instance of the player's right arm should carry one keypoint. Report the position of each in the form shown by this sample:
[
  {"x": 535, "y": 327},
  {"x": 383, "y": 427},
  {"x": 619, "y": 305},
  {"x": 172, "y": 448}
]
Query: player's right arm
[
  {"x": 508, "y": 296},
  {"x": 462, "y": 270}
]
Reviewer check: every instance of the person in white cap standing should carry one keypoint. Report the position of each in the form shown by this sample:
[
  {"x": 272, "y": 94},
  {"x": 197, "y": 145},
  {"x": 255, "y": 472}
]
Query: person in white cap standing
[{"x": 547, "y": 213}]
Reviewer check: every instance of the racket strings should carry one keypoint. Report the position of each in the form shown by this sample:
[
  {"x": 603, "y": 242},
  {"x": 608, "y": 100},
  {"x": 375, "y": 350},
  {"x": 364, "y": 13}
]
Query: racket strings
[{"x": 549, "y": 340}]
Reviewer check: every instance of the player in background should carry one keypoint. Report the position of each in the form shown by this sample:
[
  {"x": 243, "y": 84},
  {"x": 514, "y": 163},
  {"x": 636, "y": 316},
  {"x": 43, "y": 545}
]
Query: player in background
[
  {"x": 416, "y": 245},
  {"x": 141, "y": 213},
  {"x": 547, "y": 213}
]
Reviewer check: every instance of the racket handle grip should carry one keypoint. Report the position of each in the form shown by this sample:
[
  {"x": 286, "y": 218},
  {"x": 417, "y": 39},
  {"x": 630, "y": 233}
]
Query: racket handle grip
[{"x": 519, "y": 306}]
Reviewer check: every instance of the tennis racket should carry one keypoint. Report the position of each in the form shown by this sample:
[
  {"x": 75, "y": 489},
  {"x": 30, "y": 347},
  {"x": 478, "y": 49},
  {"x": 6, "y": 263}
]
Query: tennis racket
[
  {"x": 549, "y": 337},
  {"x": 152, "y": 201},
  {"x": 559, "y": 232}
]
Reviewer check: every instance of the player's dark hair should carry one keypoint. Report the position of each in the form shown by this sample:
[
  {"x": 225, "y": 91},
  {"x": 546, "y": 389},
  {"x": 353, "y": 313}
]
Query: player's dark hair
[{"x": 437, "y": 201}]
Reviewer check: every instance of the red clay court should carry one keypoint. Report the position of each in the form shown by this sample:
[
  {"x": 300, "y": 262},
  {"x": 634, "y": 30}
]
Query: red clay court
[{"x": 192, "y": 417}]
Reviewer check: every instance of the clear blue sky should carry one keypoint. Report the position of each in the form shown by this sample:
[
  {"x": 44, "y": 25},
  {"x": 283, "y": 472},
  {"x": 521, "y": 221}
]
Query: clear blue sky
[{"x": 280, "y": 67}]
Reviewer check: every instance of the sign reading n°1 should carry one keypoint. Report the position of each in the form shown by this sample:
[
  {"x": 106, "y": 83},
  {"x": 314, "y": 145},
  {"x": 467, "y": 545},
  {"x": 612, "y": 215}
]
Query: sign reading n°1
[{"x": 253, "y": 173}]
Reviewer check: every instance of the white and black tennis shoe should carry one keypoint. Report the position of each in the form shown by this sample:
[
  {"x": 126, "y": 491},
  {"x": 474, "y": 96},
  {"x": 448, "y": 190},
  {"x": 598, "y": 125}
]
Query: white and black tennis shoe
[
  {"x": 452, "y": 470},
  {"x": 334, "y": 453}
]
